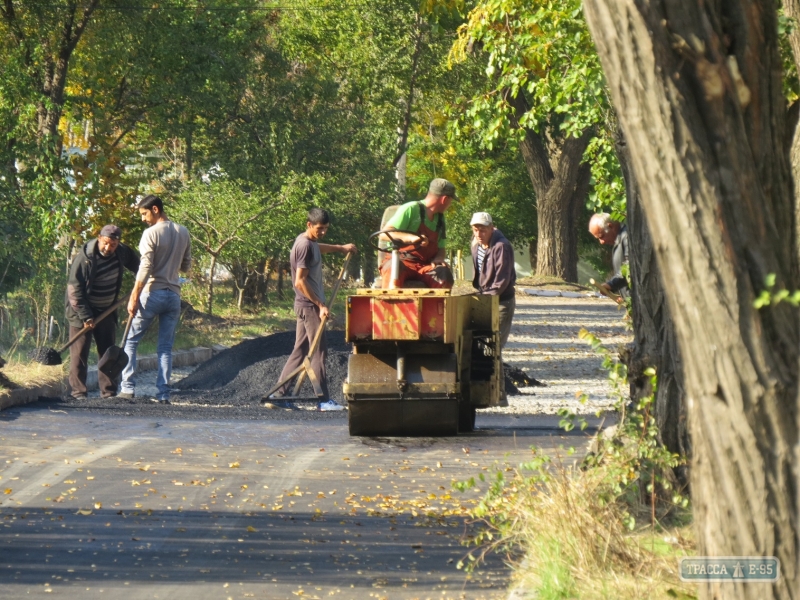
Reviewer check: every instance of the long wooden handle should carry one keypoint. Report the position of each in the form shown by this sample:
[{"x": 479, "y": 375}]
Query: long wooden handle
[{"x": 100, "y": 317}]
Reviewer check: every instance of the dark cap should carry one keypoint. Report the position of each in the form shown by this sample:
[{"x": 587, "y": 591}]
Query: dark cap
[
  {"x": 442, "y": 187},
  {"x": 111, "y": 231}
]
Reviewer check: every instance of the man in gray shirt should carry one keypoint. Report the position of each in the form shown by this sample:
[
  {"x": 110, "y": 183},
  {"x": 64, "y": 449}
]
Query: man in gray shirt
[
  {"x": 166, "y": 249},
  {"x": 309, "y": 306}
]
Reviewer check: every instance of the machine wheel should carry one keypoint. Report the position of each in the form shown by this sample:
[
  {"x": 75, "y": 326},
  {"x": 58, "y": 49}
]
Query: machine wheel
[{"x": 466, "y": 418}]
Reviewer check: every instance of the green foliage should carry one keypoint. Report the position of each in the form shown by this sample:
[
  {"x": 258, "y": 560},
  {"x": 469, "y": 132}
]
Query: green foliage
[
  {"x": 575, "y": 523},
  {"x": 768, "y": 297}
]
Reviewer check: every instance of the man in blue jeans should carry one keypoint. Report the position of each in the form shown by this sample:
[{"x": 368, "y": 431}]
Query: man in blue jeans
[{"x": 165, "y": 249}]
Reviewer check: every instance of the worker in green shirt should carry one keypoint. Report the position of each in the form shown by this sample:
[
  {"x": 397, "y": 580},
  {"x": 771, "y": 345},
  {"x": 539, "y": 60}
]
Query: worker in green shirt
[{"x": 423, "y": 258}]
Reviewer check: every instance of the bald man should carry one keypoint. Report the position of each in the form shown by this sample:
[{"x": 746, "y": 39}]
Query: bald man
[{"x": 612, "y": 233}]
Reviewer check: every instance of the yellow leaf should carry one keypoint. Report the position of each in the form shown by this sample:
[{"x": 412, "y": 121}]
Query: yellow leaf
[
  {"x": 234, "y": 465},
  {"x": 7, "y": 491},
  {"x": 90, "y": 478},
  {"x": 98, "y": 505},
  {"x": 251, "y": 529},
  {"x": 84, "y": 511}
]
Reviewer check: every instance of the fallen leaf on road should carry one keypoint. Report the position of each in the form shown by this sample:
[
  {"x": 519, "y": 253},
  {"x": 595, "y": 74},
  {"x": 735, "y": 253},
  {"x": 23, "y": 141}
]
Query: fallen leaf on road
[
  {"x": 84, "y": 511},
  {"x": 98, "y": 505},
  {"x": 234, "y": 465},
  {"x": 251, "y": 529},
  {"x": 7, "y": 491}
]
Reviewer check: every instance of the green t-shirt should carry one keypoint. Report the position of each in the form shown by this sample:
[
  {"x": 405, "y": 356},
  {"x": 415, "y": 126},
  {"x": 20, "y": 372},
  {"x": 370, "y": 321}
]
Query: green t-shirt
[{"x": 407, "y": 218}]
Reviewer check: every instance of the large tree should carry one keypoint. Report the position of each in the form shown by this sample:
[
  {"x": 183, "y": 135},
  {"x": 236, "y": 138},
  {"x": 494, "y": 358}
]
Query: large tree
[
  {"x": 698, "y": 89},
  {"x": 543, "y": 88}
]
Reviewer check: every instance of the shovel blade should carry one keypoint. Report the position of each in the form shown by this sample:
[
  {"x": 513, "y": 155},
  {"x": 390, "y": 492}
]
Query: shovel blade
[{"x": 113, "y": 362}]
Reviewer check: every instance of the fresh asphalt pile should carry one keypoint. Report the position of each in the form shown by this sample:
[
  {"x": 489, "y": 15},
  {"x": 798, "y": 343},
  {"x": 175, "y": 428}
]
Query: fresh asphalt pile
[{"x": 232, "y": 383}]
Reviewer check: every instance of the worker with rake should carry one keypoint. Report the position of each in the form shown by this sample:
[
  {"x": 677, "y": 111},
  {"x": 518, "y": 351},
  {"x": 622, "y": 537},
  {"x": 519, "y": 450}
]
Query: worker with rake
[{"x": 305, "y": 261}]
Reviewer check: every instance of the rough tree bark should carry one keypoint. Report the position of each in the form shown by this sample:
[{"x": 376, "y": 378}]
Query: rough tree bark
[
  {"x": 561, "y": 183},
  {"x": 654, "y": 343},
  {"x": 697, "y": 87},
  {"x": 792, "y": 9}
]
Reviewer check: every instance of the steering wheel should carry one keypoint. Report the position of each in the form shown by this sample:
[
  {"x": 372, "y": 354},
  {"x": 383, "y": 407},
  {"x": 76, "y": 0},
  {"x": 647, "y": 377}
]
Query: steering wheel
[{"x": 395, "y": 243}]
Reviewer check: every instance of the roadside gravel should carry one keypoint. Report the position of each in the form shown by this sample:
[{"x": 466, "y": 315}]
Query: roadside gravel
[{"x": 544, "y": 343}]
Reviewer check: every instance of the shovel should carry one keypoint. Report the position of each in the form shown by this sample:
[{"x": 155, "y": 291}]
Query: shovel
[
  {"x": 114, "y": 360},
  {"x": 52, "y": 357}
]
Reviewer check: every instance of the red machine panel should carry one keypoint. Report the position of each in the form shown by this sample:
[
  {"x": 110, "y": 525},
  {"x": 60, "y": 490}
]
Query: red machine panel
[
  {"x": 432, "y": 319},
  {"x": 395, "y": 319},
  {"x": 359, "y": 318}
]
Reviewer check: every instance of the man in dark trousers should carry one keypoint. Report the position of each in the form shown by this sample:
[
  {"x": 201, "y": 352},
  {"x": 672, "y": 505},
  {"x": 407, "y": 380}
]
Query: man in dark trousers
[
  {"x": 309, "y": 306},
  {"x": 423, "y": 259},
  {"x": 495, "y": 275},
  {"x": 608, "y": 232},
  {"x": 95, "y": 279}
]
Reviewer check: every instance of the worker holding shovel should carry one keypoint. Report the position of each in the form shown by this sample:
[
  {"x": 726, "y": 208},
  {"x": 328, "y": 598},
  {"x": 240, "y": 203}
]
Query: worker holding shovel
[
  {"x": 95, "y": 280},
  {"x": 312, "y": 312}
]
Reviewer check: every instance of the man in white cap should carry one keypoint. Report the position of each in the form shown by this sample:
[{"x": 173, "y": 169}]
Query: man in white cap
[{"x": 493, "y": 262}]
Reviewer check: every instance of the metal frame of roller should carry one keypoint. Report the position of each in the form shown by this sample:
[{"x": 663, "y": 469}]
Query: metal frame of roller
[{"x": 423, "y": 361}]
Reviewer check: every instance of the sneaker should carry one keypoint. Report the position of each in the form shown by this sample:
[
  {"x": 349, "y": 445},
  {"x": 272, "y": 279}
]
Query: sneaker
[
  {"x": 281, "y": 404},
  {"x": 126, "y": 395},
  {"x": 329, "y": 406},
  {"x": 79, "y": 396}
]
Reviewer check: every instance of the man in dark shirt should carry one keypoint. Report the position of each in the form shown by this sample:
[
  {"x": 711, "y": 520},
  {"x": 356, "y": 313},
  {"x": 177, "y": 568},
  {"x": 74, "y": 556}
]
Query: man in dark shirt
[
  {"x": 305, "y": 261},
  {"x": 493, "y": 262},
  {"x": 495, "y": 275},
  {"x": 607, "y": 232},
  {"x": 95, "y": 279}
]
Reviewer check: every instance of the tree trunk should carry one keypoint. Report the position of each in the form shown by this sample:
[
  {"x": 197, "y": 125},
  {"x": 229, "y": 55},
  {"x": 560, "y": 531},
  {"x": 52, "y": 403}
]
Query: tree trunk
[
  {"x": 697, "y": 87},
  {"x": 280, "y": 280},
  {"x": 654, "y": 342},
  {"x": 210, "y": 298},
  {"x": 369, "y": 265},
  {"x": 561, "y": 183},
  {"x": 792, "y": 10}
]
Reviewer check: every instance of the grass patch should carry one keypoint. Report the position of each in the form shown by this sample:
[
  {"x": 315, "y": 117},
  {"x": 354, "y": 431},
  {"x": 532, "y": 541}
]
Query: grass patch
[
  {"x": 22, "y": 373},
  {"x": 610, "y": 526},
  {"x": 572, "y": 545}
]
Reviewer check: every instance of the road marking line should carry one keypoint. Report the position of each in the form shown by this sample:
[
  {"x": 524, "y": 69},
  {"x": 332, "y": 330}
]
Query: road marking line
[{"x": 34, "y": 488}]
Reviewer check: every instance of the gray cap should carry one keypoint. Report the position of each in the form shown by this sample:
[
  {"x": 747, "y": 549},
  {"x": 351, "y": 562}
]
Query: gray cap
[
  {"x": 481, "y": 218},
  {"x": 442, "y": 187},
  {"x": 111, "y": 231}
]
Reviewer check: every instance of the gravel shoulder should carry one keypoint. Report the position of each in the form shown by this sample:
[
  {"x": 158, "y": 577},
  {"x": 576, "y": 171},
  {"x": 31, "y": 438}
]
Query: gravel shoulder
[{"x": 544, "y": 343}]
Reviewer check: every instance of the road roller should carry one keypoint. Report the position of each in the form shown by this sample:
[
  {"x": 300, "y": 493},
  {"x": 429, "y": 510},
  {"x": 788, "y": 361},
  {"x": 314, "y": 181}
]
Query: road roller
[{"x": 423, "y": 359}]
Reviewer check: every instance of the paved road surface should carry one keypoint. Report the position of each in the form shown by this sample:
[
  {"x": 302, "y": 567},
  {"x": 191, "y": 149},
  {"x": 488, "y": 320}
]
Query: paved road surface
[{"x": 100, "y": 506}]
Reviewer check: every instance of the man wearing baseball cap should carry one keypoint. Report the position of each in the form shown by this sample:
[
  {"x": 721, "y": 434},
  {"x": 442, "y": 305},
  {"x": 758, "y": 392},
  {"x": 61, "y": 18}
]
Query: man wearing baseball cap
[
  {"x": 95, "y": 279},
  {"x": 423, "y": 258}
]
